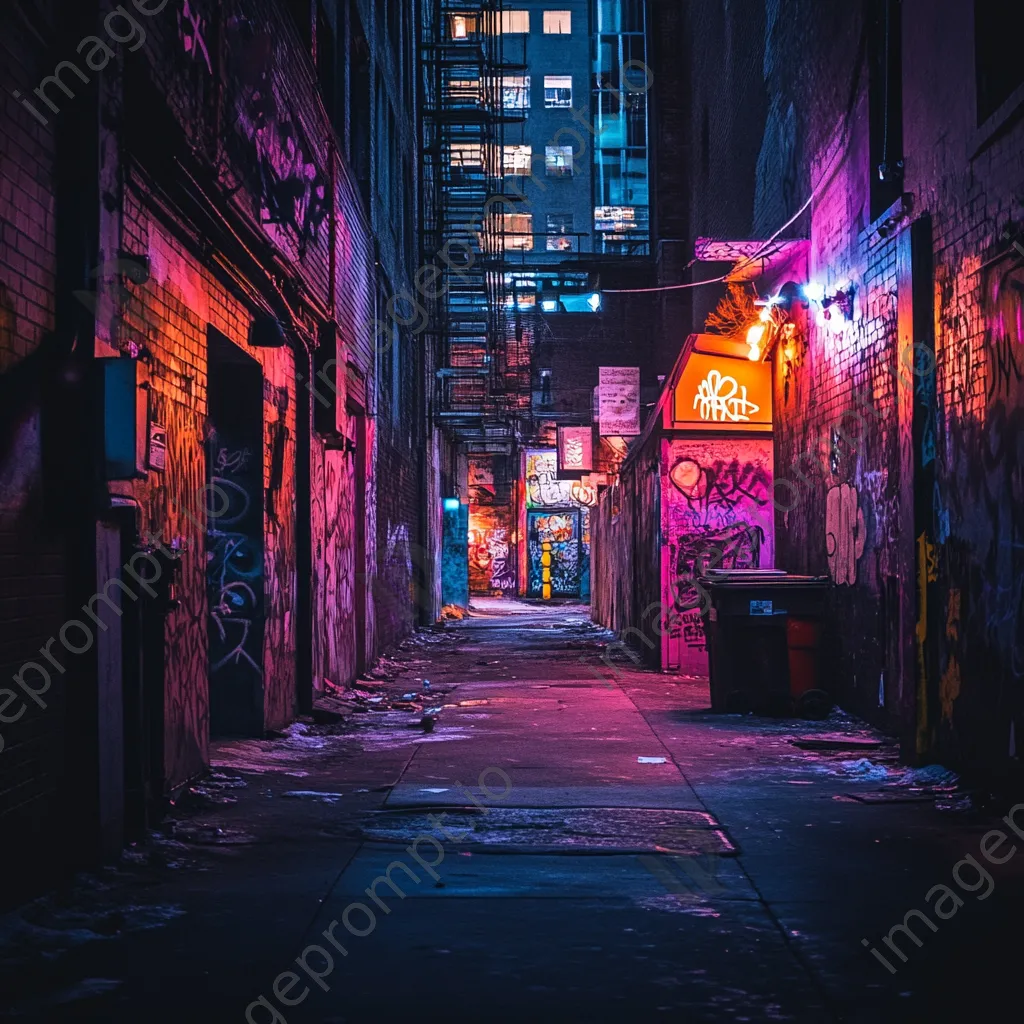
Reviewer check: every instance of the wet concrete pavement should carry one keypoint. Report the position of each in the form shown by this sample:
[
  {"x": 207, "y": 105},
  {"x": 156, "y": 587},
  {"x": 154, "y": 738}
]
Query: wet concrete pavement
[{"x": 592, "y": 844}]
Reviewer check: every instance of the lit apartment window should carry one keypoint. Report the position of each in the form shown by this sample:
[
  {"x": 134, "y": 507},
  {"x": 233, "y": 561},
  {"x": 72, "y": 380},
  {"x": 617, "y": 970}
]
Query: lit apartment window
[
  {"x": 517, "y": 230},
  {"x": 463, "y": 92},
  {"x": 515, "y": 22},
  {"x": 515, "y": 92},
  {"x": 463, "y": 26},
  {"x": 557, "y": 23},
  {"x": 467, "y": 154},
  {"x": 560, "y": 233},
  {"x": 524, "y": 301},
  {"x": 517, "y": 159},
  {"x": 614, "y": 218},
  {"x": 558, "y": 161},
  {"x": 557, "y": 91}
]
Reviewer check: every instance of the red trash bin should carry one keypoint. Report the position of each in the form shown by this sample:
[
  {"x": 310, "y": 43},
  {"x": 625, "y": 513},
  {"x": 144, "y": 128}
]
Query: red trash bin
[{"x": 802, "y": 639}]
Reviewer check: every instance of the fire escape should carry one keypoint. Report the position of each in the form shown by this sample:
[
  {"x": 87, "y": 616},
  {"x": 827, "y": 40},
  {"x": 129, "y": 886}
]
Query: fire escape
[{"x": 483, "y": 373}]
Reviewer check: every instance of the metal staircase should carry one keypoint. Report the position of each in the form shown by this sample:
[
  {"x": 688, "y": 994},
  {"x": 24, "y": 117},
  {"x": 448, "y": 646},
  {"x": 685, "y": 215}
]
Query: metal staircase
[{"x": 480, "y": 357}]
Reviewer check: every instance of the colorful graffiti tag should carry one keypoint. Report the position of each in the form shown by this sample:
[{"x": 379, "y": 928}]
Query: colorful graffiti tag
[
  {"x": 492, "y": 563},
  {"x": 716, "y": 514},
  {"x": 844, "y": 533},
  {"x": 545, "y": 490}
]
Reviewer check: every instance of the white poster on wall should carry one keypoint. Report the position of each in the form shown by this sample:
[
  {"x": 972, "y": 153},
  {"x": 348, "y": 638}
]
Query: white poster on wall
[{"x": 619, "y": 402}]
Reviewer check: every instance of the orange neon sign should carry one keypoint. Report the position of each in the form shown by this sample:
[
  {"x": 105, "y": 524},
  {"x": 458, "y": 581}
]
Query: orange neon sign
[{"x": 720, "y": 393}]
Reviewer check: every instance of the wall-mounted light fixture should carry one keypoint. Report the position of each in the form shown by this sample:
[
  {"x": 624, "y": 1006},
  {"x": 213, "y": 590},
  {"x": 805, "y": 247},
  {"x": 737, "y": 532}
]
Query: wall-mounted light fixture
[{"x": 835, "y": 308}]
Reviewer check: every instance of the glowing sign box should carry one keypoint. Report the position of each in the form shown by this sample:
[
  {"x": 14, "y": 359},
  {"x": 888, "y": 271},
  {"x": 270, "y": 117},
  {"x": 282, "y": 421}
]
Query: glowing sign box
[
  {"x": 575, "y": 450},
  {"x": 718, "y": 393}
]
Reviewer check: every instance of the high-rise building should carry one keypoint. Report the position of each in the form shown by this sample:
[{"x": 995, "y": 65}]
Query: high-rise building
[
  {"x": 536, "y": 157},
  {"x": 575, "y": 150}
]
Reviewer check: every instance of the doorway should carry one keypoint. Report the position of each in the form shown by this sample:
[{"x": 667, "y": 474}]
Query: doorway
[
  {"x": 234, "y": 539},
  {"x": 357, "y": 419},
  {"x": 561, "y": 529}
]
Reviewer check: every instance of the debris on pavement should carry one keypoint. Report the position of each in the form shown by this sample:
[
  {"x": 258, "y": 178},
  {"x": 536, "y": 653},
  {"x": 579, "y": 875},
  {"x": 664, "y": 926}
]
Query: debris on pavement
[
  {"x": 600, "y": 829},
  {"x": 200, "y": 835},
  {"x": 51, "y": 926},
  {"x": 832, "y": 741}
]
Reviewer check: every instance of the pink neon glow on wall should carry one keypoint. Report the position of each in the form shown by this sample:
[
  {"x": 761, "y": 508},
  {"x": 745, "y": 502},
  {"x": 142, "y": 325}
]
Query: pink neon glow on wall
[{"x": 716, "y": 494}]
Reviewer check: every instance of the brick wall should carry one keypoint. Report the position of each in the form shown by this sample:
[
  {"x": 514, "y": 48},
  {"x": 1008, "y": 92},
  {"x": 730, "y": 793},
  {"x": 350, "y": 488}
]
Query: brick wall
[
  {"x": 400, "y": 423},
  {"x": 924, "y": 612},
  {"x": 33, "y": 563},
  {"x": 970, "y": 177},
  {"x": 170, "y": 316}
]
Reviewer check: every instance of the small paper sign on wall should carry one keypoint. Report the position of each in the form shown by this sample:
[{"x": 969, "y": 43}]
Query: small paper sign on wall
[
  {"x": 157, "y": 456},
  {"x": 575, "y": 450},
  {"x": 619, "y": 401}
]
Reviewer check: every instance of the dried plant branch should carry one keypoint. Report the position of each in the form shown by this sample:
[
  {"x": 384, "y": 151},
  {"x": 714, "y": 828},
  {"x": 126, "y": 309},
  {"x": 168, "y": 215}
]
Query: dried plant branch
[{"x": 735, "y": 311}]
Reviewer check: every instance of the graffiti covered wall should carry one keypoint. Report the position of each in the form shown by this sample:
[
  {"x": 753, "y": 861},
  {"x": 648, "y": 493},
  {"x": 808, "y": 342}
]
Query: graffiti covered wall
[
  {"x": 627, "y": 557},
  {"x": 493, "y": 551},
  {"x": 544, "y": 492},
  {"x": 491, "y": 554},
  {"x": 716, "y": 496},
  {"x": 977, "y": 699}
]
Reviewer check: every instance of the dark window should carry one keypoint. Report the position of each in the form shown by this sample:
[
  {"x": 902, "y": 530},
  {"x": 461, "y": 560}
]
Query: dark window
[
  {"x": 394, "y": 29},
  {"x": 302, "y": 15},
  {"x": 705, "y": 145},
  {"x": 885, "y": 103},
  {"x": 359, "y": 89},
  {"x": 545, "y": 387},
  {"x": 326, "y": 63},
  {"x": 998, "y": 67}
]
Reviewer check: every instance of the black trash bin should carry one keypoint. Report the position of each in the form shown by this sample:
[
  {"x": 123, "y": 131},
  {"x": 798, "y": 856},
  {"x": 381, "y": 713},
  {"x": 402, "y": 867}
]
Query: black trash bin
[{"x": 749, "y": 624}]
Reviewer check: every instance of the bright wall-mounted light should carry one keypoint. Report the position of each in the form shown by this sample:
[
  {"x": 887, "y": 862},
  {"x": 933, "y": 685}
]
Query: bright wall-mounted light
[
  {"x": 837, "y": 310},
  {"x": 834, "y": 308},
  {"x": 451, "y": 504},
  {"x": 594, "y": 301},
  {"x": 755, "y": 335},
  {"x": 549, "y": 305}
]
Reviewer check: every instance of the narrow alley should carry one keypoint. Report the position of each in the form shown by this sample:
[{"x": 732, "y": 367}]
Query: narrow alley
[
  {"x": 576, "y": 839},
  {"x": 511, "y": 508}
]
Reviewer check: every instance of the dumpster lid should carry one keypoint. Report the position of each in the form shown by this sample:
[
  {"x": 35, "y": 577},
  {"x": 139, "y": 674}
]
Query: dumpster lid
[
  {"x": 727, "y": 575},
  {"x": 769, "y": 577}
]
